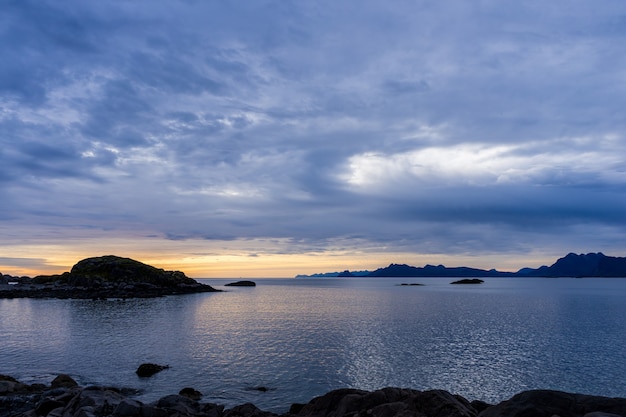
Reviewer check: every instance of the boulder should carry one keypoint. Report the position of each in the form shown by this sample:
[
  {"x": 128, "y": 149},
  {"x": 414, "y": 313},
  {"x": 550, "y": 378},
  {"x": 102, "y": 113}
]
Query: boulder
[
  {"x": 149, "y": 369},
  {"x": 128, "y": 408},
  {"x": 387, "y": 402},
  {"x": 190, "y": 393},
  {"x": 97, "y": 401},
  {"x": 178, "y": 404},
  {"x": 63, "y": 381},
  {"x": 9, "y": 385},
  {"x": 546, "y": 403},
  {"x": 247, "y": 410},
  {"x": 45, "y": 406}
]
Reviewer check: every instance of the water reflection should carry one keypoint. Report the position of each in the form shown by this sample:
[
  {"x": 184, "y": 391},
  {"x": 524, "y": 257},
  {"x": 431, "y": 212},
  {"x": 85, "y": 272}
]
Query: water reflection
[{"x": 302, "y": 339}]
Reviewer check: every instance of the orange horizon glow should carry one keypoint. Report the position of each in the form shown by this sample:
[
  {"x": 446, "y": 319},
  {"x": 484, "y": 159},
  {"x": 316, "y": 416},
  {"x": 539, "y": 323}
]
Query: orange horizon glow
[{"x": 199, "y": 259}]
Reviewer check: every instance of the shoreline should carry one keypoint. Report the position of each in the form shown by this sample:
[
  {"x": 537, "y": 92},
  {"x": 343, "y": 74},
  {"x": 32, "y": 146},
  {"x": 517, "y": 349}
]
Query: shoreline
[{"x": 65, "y": 398}]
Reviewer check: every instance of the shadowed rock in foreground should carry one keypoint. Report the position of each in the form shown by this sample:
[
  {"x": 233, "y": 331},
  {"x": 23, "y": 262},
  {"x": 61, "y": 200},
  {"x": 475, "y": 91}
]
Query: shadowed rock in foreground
[
  {"x": 70, "y": 400},
  {"x": 106, "y": 277}
]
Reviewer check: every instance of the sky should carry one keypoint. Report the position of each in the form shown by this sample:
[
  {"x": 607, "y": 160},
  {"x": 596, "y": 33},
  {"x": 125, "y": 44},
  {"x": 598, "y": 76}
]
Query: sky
[{"x": 274, "y": 138}]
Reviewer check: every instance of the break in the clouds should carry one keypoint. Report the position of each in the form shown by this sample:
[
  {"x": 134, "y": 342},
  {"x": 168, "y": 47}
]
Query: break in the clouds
[{"x": 410, "y": 126}]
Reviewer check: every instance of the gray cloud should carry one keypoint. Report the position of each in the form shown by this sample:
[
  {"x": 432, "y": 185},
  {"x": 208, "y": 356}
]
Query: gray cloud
[{"x": 449, "y": 126}]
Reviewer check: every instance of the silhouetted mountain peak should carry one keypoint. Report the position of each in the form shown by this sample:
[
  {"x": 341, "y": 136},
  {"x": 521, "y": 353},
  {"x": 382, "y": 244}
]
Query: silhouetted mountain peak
[{"x": 571, "y": 265}]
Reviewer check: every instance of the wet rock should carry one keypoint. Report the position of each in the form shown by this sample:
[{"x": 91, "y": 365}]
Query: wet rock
[
  {"x": 63, "y": 381},
  {"x": 148, "y": 369},
  {"x": 94, "y": 400},
  {"x": 212, "y": 410},
  {"x": 190, "y": 393},
  {"x": 247, "y": 410},
  {"x": 45, "y": 406},
  {"x": 10, "y": 385},
  {"x": 546, "y": 403},
  {"x": 600, "y": 414},
  {"x": 179, "y": 404},
  {"x": 387, "y": 402},
  {"x": 479, "y": 406},
  {"x": 128, "y": 407}
]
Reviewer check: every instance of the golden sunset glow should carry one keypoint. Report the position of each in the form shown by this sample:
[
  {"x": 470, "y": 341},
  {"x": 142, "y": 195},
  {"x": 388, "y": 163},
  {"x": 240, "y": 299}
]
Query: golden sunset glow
[{"x": 205, "y": 259}]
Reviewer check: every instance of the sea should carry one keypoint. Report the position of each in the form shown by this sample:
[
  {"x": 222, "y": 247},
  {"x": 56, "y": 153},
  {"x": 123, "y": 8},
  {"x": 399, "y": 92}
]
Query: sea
[{"x": 286, "y": 341}]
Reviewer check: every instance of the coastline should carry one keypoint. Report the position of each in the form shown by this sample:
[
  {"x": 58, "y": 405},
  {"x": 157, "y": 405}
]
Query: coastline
[{"x": 65, "y": 398}]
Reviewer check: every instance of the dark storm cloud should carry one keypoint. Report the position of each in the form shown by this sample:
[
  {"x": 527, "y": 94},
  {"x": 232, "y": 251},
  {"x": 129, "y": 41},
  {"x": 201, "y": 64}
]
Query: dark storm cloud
[{"x": 409, "y": 125}]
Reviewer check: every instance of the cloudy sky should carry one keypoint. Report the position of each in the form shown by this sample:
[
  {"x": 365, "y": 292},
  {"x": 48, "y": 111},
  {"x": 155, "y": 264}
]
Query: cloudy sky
[{"x": 270, "y": 138}]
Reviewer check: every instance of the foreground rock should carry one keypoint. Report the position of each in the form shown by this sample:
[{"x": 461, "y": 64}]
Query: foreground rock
[
  {"x": 386, "y": 402},
  {"x": 106, "y": 277},
  {"x": 542, "y": 403},
  {"x": 66, "y": 399}
]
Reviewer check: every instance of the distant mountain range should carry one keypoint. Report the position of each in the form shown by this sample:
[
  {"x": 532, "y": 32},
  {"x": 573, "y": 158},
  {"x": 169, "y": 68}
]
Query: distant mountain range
[{"x": 571, "y": 265}]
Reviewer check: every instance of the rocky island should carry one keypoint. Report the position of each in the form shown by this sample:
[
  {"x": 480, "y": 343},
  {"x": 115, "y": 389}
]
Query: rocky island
[
  {"x": 65, "y": 398},
  {"x": 105, "y": 277}
]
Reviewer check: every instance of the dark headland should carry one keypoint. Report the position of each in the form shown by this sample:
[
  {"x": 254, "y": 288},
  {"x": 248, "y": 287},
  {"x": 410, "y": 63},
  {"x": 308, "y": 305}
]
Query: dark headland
[
  {"x": 65, "y": 398},
  {"x": 103, "y": 277},
  {"x": 572, "y": 265}
]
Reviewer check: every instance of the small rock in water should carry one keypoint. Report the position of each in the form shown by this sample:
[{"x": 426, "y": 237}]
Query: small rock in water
[
  {"x": 468, "y": 281},
  {"x": 241, "y": 284},
  {"x": 260, "y": 388},
  {"x": 149, "y": 369}
]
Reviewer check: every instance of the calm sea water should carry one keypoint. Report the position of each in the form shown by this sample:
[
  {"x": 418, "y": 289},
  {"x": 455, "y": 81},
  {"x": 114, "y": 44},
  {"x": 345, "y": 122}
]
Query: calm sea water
[{"x": 303, "y": 337}]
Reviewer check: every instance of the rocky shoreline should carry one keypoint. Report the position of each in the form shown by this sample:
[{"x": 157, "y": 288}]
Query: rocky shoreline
[
  {"x": 65, "y": 398},
  {"x": 101, "y": 278}
]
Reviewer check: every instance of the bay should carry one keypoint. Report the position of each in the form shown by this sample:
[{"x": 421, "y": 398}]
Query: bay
[{"x": 300, "y": 338}]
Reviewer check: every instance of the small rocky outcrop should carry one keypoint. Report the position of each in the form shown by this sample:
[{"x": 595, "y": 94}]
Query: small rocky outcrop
[
  {"x": 148, "y": 369},
  {"x": 107, "y": 277},
  {"x": 468, "y": 281},
  {"x": 241, "y": 284}
]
